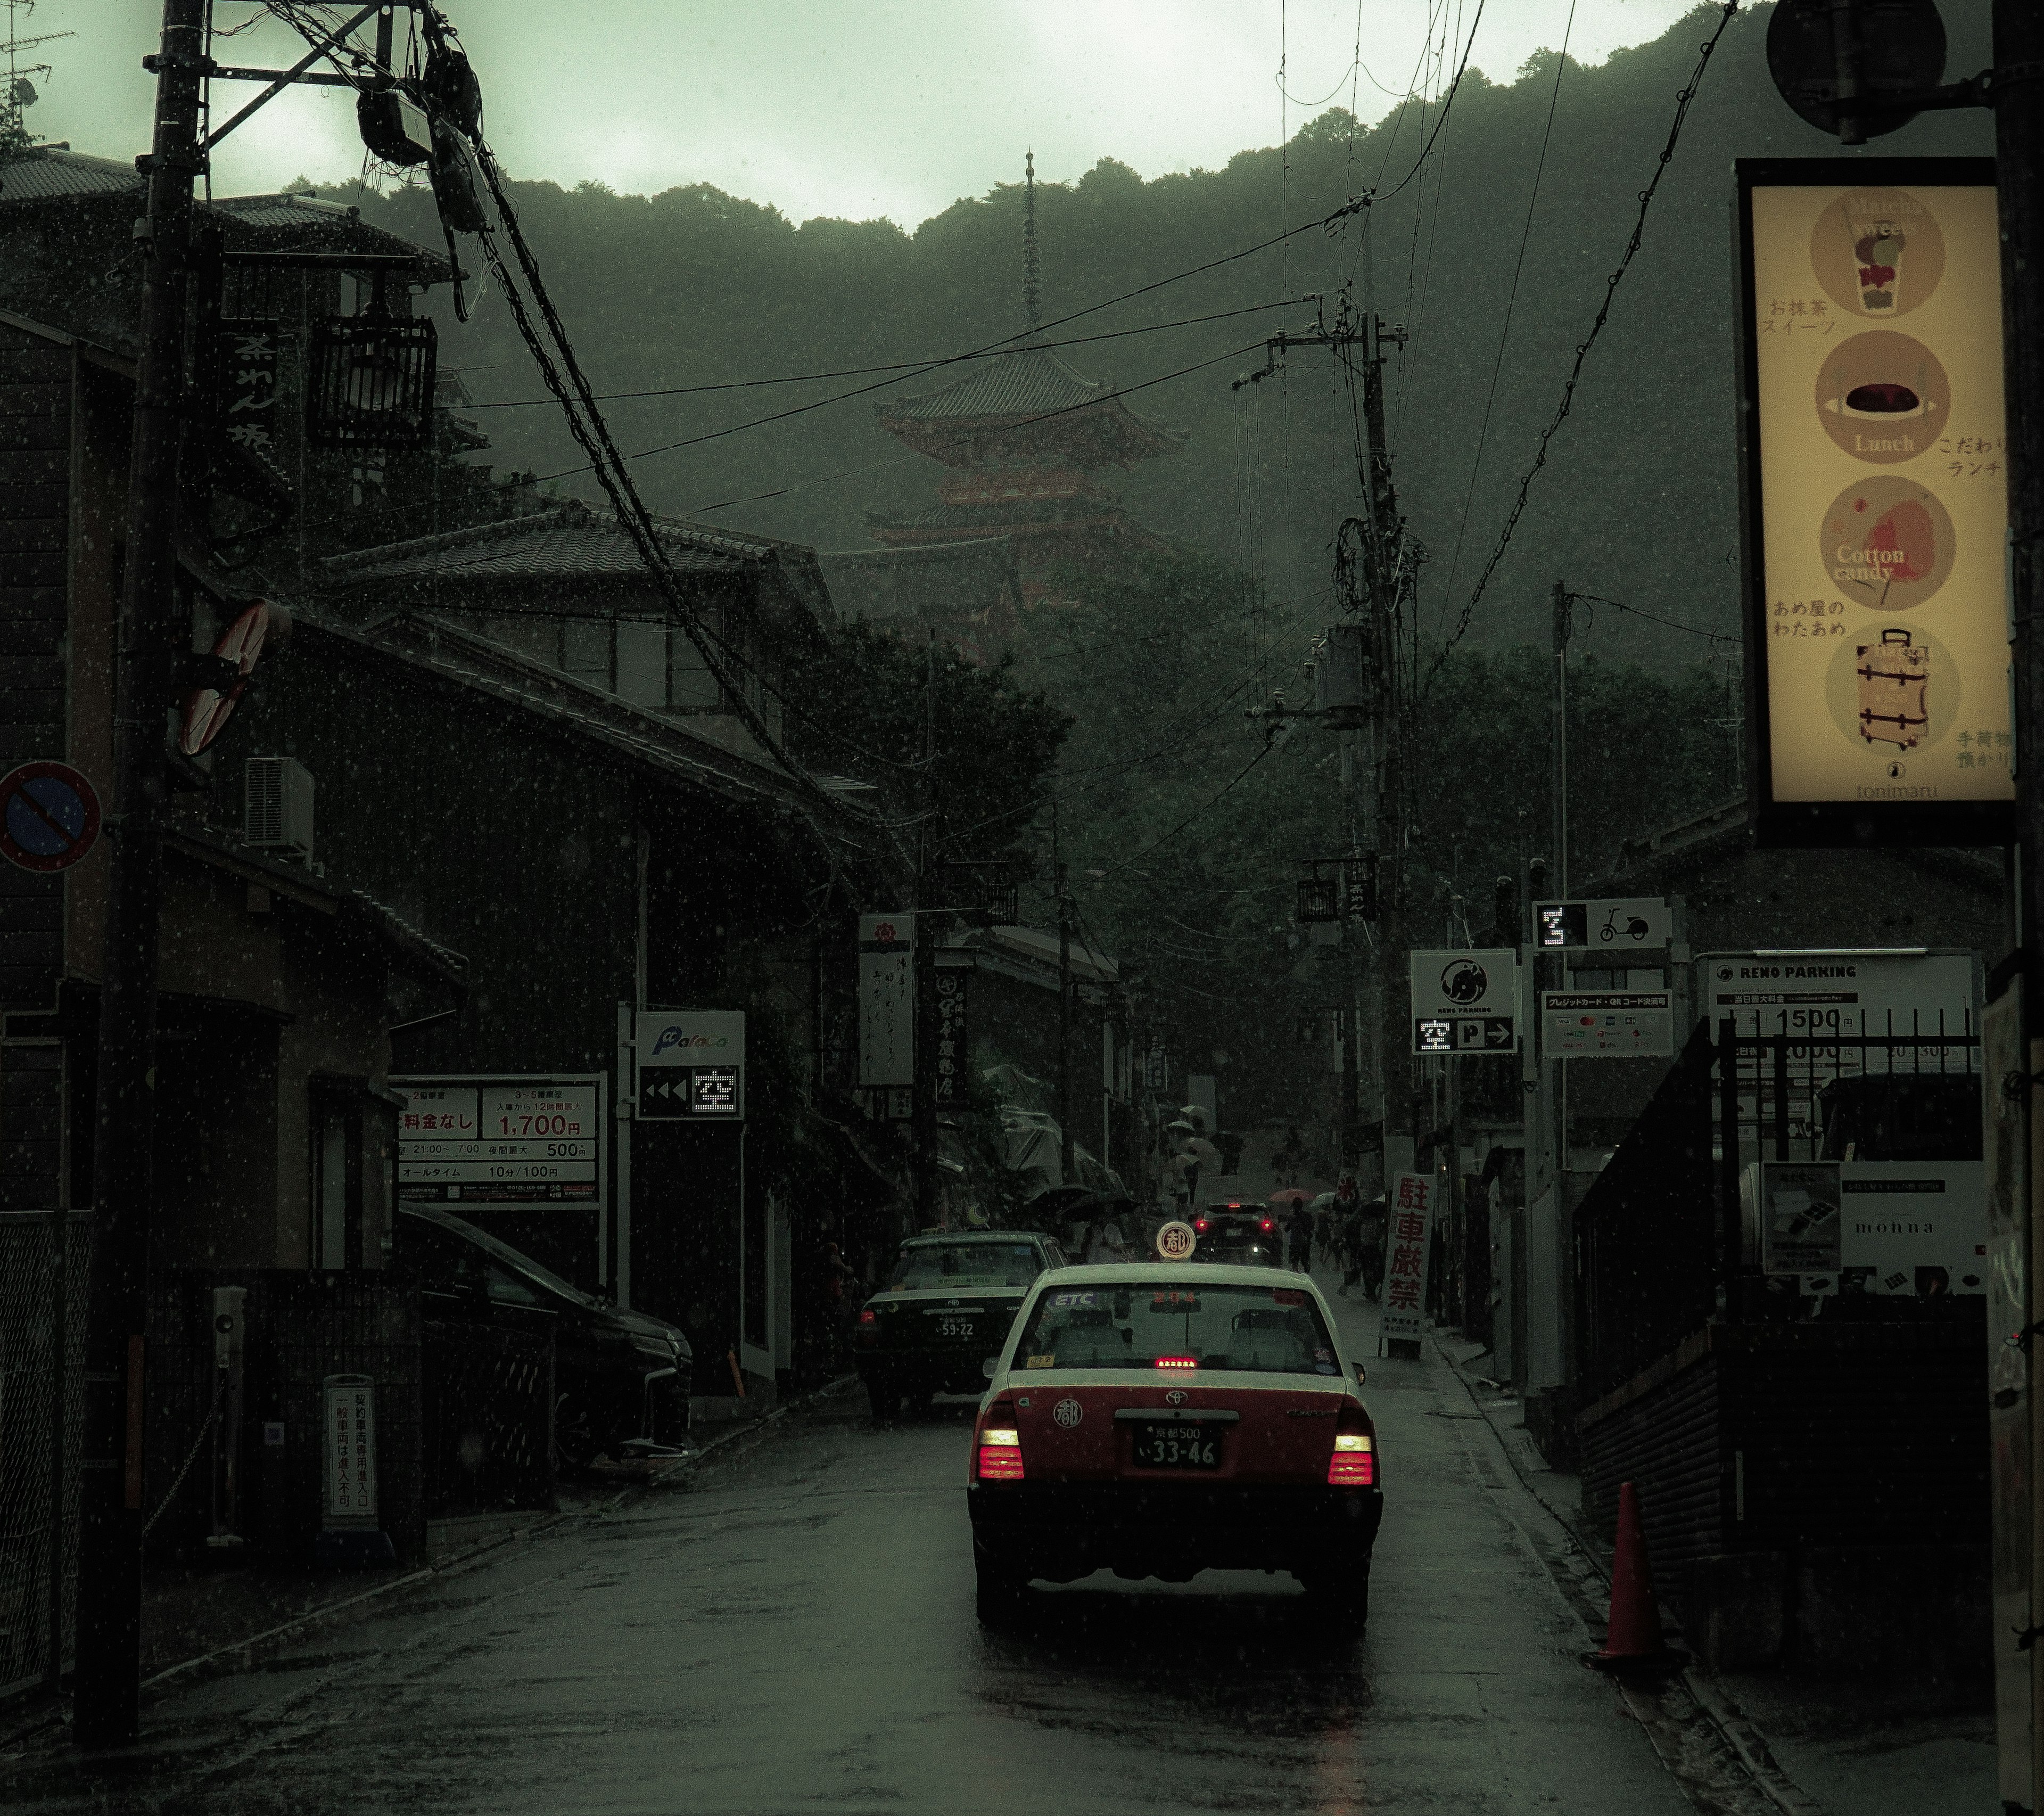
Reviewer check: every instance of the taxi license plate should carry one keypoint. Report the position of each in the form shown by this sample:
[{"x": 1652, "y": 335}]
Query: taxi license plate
[
  {"x": 956, "y": 1329},
  {"x": 1177, "y": 1447}
]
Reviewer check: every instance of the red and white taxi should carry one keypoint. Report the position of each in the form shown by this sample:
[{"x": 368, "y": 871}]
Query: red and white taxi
[{"x": 1158, "y": 1419}]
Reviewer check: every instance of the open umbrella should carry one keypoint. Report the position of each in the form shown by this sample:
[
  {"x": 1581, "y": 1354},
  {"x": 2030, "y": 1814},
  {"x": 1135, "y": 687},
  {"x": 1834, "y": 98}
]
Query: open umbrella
[{"x": 1289, "y": 1194}]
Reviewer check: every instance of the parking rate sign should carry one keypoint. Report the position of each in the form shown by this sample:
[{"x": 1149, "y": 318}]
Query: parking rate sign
[{"x": 1407, "y": 1240}]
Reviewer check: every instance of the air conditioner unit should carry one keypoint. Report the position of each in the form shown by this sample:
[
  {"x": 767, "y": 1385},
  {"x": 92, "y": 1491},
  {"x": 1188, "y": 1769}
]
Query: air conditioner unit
[{"x": 277, "y": 808}]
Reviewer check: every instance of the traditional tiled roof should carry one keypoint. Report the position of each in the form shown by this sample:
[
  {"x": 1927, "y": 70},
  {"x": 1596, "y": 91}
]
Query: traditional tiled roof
[
  {"x": 992, "y": 414},
  {"x": 287, "y": 209},
  {"x": 567, "y": 542},
  {"x": 53, "y": 175},
  {"x": 40, "y": 174},
  {"x": 1028, "y": 382},
  {"x": 415, "y": 949}
]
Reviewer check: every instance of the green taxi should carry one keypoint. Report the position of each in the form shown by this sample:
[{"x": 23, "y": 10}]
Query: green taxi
[{"x": 946, "y": 1308}]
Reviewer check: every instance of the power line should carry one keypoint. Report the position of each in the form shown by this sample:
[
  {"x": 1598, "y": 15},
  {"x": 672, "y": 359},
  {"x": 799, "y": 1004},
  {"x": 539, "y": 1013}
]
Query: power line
[
  {"x": 799, "y": 410},
  {"x": 928, "y": 364},
  {"x": 1504, "y": 333},
  {"x": 1475, "y": 26},
  {"x": 1165, "y": 838},
  {"x": 1640, "y": 612},
  {"x": 1682, "y": 103}
]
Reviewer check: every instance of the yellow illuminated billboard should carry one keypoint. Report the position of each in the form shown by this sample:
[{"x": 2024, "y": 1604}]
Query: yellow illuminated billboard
[{"x": 1876, "y": 506}]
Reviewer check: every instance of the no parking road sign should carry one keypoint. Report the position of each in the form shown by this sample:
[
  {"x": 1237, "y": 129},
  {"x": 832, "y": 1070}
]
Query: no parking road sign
[{"x": 49, "y": 816}]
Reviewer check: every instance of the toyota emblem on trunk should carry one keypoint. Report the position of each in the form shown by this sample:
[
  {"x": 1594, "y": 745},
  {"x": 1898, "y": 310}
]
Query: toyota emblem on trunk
[{"x": 1175, "y": 1398}]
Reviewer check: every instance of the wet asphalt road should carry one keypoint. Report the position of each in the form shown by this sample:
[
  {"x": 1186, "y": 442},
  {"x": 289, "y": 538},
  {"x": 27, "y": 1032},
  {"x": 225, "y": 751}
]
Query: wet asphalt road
[{"x": 794, "y": 1632}]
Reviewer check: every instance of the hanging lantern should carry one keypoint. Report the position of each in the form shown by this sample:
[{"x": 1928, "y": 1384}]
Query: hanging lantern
[
  {"x": 1320, "y": 898},
  {"x": 371, "y": 382}
]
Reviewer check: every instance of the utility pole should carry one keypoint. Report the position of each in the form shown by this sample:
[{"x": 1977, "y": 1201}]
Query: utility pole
[
  {"x": 106, "y": 1711},
  {"x": 1064, "y": 1002},
  {"x": 1562, "y": 601},
  {"x": 1385, "y": 579},
  {"x": 1371, "y": 576},
  {"x": 922, "y": 964}
]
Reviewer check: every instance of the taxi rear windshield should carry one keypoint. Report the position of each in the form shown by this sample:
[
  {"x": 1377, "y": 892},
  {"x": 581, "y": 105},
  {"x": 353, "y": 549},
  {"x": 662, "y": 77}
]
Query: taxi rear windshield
[
  {"x": 922, "y": 1265},
  {"x": 1262, "y": 1330}
]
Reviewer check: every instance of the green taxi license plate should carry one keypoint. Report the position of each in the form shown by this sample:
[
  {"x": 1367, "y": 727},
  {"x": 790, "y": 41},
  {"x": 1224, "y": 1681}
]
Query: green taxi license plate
[{"x": 1186, "y": 1446}]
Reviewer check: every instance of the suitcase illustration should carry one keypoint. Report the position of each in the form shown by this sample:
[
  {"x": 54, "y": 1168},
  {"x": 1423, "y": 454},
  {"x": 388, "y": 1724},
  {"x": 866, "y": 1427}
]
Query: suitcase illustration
[{"x": 1894, "y": 691}]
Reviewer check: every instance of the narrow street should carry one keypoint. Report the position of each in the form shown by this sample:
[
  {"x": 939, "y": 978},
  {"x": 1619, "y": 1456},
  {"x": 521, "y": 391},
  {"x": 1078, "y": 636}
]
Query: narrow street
[{"x": 795, "y": 1632}]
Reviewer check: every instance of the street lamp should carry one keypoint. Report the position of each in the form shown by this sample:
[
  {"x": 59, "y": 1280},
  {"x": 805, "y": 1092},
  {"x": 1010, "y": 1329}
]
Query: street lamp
[{"x": 369, "y": 381}]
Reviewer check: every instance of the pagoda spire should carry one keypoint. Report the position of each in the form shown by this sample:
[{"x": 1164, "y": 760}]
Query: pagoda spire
[{"x": 1032, "y": 287}]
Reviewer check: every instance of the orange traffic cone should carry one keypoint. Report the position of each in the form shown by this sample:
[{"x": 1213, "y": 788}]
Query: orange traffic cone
[{"x": 1632, "y": 1639}]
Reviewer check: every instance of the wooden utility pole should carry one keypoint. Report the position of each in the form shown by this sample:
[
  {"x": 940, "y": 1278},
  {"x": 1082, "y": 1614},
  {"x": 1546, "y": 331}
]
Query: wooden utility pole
[
  {"x": 1064, "y": 1002},
  {"x": 108, "y": 1680},
  {"x": 1385, "y": 580},
  {"x": 923, "y": 964}
]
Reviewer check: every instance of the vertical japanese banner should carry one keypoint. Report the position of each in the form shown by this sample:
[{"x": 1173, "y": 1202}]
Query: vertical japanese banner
[
  {"x": 1408, "y": 1232},
  {"x": 954, "y": 1042},
  {"x": 246, "y": 365},
  {"x": 886, "y": 1011}
]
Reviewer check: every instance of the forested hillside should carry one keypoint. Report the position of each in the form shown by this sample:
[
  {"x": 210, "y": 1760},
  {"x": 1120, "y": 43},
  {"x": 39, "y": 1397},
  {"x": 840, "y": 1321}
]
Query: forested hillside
[
  {"x": 695, "y": 287},
  {"x": 1182, "y": 830}
]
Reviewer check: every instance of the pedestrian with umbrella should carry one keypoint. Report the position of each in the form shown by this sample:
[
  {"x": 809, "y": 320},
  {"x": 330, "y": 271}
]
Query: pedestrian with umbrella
[{"x": 1297, "y": 1222}]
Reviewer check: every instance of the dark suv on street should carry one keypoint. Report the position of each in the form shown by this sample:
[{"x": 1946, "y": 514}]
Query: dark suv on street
[
  {"x": 1243, "y": 1235},
  {"x": 946, "y": 1308},
  {"x": 617, "y": 1375}
]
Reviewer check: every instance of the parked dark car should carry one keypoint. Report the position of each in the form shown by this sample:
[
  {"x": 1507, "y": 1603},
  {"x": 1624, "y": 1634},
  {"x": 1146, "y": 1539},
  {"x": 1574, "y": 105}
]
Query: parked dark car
[
  {"x": 946, "y": 1309},
  {"x": 618, "y": 1374}
]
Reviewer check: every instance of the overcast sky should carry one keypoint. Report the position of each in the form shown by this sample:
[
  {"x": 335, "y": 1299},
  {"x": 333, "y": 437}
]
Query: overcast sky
[{"x": 856, "y": 108}]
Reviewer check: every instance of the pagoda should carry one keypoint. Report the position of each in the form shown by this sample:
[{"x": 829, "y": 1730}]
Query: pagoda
[{"x": 1023, "y": 438}]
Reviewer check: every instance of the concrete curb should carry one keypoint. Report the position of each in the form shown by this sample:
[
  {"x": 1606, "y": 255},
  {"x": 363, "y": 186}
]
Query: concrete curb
[
  {"x": 1742, "y": 1739},
  {"x": 451, "y": 1564}
]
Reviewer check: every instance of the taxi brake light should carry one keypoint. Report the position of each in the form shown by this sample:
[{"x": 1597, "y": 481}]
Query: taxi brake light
[
  {"x": 1269, "y": 1224},
  {"x": 1354, "y": 1463},
  {"x": 1000, "y": 1457},
  {"x": 1177, "y": 1362},
  {"x": 1200, "y": 1224},
  {"x": 869, "y": 1316}
]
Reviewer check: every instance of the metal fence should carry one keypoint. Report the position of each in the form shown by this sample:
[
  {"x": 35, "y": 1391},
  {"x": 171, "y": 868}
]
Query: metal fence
[
  {"x": 44, "y": 1266},
  {"x": 1661, "y": 1245},
  {"x": 488, "y": 1418}
]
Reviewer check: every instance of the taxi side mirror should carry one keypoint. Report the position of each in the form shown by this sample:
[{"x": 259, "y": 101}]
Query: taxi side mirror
[
  {"x": 1361, "y": 1376},
  {"x": 990, "y": 1367}
]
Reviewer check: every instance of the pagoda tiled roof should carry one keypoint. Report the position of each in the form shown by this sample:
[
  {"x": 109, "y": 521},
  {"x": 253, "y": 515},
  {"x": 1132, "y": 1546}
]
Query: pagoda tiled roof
[
  {"x": 990, "y": 414},
  {"x": 1028, "y": 382}
]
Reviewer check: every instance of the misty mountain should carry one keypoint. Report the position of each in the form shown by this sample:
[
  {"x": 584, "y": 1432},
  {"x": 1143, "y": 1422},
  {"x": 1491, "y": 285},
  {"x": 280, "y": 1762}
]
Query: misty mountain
[{"x": 693, "y": 287}]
